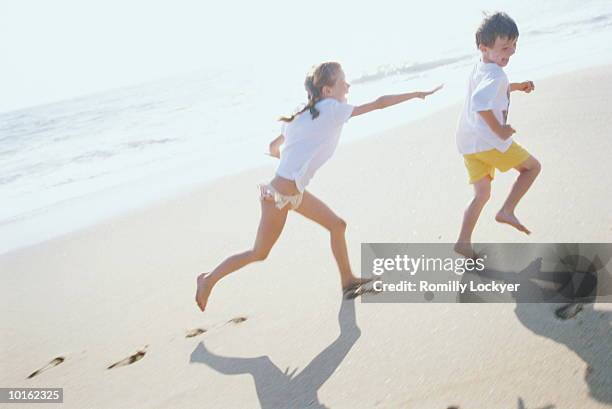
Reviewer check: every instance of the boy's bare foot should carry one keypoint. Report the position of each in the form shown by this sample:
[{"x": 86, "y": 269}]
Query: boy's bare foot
[
  {"x": 510, "y": 218},
  {"x": 203, "y": 291},
  {"x": 465, "y": 249}
]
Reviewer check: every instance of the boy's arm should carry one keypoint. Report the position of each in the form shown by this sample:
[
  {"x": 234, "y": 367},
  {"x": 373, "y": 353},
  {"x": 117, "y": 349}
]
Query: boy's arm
[
  {"x": 274, "y": 147},
  {"x": 504, "y": 132},
  {"x": 526, "y": 86},
  {"x": 390, "y": 100}
]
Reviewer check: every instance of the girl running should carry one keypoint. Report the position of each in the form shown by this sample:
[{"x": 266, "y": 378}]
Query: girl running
[{"x": 310, "y": 137}]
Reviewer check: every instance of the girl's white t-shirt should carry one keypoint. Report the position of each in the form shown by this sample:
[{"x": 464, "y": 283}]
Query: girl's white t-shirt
[
  {"x": 309, "y": 142},
  {"x": 488, "y": 89}
]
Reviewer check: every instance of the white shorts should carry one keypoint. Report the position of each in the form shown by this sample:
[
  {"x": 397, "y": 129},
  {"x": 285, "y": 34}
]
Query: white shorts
[{"x": 267, "y": 192}]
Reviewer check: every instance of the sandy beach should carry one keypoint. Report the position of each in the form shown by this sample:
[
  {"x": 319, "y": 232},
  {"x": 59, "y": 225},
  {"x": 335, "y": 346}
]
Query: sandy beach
[{"x": 277, "y": 334}]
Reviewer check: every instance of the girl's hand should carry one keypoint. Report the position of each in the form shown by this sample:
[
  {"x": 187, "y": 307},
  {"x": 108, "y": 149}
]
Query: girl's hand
[
  {"x": 422, "y": 95},
  {"x": 274, "y": 147},
  {"x": 274, "y": 151}
]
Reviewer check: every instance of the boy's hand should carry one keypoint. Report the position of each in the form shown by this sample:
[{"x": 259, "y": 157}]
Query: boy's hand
[
  {"x": 505, "y": 132},
  {"x": 422, "y": 95},
  {"x": 526, "y": 86}
]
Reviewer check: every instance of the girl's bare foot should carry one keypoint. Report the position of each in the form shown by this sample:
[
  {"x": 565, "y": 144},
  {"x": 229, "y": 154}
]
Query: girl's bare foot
[
  {"x": 203, "y": 291},
  {"x": 465, "y": 249},
  {"x": 510, "y": 218},
  {"x": 354, "y": 283}
]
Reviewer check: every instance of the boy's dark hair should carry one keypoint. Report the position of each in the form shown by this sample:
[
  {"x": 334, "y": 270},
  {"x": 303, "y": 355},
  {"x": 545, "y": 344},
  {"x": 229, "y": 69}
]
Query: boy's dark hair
[{"x": 496, "y": 25}]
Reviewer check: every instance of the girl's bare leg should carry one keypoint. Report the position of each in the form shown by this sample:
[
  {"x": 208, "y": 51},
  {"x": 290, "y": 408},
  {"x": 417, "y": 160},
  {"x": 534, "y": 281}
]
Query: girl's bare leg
[
  {"x": 270, "y": 227},
  {"x": 317, "y": 211}
]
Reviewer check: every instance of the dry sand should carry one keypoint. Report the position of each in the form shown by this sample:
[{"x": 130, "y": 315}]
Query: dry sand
[{"x": 100, "y": 295}]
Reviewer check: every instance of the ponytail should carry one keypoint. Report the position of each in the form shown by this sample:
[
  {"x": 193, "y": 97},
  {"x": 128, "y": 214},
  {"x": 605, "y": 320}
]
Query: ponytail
[{"x": 319, "y": 77}]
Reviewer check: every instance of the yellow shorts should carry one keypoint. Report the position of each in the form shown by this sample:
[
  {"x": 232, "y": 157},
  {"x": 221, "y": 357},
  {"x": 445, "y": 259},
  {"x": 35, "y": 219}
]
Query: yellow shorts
[{"x": 481, "y": 164}]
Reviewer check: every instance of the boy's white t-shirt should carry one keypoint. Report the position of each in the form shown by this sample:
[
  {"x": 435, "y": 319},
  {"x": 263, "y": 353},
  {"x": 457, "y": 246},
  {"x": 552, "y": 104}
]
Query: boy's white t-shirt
[
  {"x": 488, "y": 89},
  {"x": 309, "y": 143}
]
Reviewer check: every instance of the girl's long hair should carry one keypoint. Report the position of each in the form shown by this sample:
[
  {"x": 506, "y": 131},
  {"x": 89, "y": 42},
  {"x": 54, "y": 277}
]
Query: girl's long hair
[{"x": 321, "y": 75}]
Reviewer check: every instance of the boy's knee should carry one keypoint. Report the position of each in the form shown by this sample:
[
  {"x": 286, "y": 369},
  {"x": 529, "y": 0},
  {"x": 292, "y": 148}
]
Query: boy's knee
[
  {"x": 482, "y": 195},
  {"x": 531, "y": 165},
  {"x": 537, "y": 166},
  {"x": 482, "y": 190}
]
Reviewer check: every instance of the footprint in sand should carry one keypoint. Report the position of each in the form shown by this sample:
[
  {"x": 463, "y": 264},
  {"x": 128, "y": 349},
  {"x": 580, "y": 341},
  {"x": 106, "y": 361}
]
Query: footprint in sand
[
  {"x": 568, "y": 311},
  {"x": 199, "y": 331},
  {"x": 54, "y": 362},
  {"x": 130, "y": 359},
  {"x": 194, "y": 332},
  {"x": 138, "y": 355},
  {"x": 521, "y": 405}
]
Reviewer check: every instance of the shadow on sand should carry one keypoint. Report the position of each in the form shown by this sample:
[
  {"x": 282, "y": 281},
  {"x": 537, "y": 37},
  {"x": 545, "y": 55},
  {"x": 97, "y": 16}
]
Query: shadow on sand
[
  {"x": 278, "y": 389},
  {"x": 577, "y": 324}
]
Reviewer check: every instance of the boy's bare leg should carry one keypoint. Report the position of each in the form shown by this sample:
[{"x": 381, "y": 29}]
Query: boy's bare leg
[
  {"x": 270, "y": 227},
  {"x": 317, "y": 211},
  {"x": 528, "y": 171},
  {"x": 482, "y": 193}
]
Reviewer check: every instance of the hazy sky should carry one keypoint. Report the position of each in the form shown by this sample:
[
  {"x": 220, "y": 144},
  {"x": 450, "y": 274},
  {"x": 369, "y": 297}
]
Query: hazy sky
[{"x": 52, "y": 50}]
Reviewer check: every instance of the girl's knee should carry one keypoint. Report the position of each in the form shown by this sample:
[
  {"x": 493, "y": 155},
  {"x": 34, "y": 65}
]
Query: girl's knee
[
  {"x": 259, "y": 254},
  {"x": 338, "y": 226}
]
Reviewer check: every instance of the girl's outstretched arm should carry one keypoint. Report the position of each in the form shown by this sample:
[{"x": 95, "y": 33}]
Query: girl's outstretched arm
[
  {"x": 389, "y": 100},
  {"x": 274, "y": 147}
]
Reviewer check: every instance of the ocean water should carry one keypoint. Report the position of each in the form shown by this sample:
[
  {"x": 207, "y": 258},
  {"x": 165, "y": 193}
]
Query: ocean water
[{"x": 73, "y": 163}]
